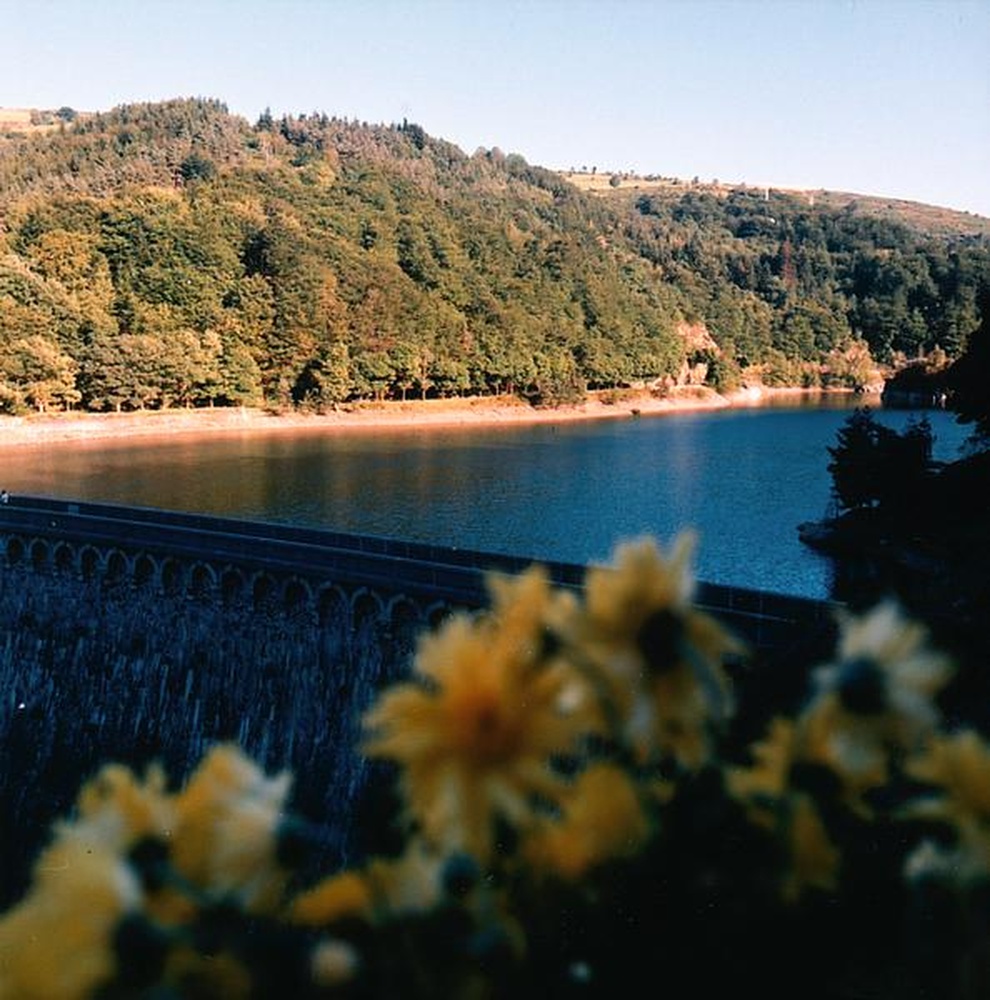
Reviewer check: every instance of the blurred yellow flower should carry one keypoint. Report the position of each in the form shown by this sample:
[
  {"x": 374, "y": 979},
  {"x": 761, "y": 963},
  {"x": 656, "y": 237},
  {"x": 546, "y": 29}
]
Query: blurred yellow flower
[
  {"x": 410, "y": 883},
  {"x": 226, "y": 829},
  {"x": 562, "y": 721},
  {"x": 603, "y": 819},
  {"x": 761, "y": 784},
  {"x": 332, "y": 964},
  {"x": 383, "y": 889},
  {"x": 58, "y": 942},
  {"x": 874, "y": 704},
  {"x": 474, "y": 734},
  {"x": 346, "y": 895},
  {"x": 814, "y": 858},
  {"x": 125, "y": 808},
  {"x": 958, "y": 766},
  {"x": 660, "y": 659},
  {"x": 771, "y": 801},
  {"x": 137, "y": 820}
]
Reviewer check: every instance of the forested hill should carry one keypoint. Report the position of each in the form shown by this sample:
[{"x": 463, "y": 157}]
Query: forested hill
[{"x": 175, "y": 254}]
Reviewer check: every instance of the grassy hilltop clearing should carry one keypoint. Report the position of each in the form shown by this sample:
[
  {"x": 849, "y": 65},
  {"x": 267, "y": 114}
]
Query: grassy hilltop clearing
[
  {"x": 931, "y": 219},
  {"x": 167, "y": 254}
]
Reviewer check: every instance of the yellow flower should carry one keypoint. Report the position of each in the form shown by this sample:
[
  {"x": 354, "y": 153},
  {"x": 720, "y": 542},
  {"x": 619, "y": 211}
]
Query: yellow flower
[
  {"x": 410, "y": 883},
  {"x": 522, "y": 606},
  {"x": 57, "y": 943},
  {"x": 958, "y": 765},
  {"x": 661, "y": 661},
  {"x": 815, "y": 859},
  {"x": 217, "y": 974},
  {"x": 346, "y": 895},
  {"x": 875, "y": 703},
  {"x": 603, "y": 819},
  {"x": 384, "y": 889},
  {"x": 475, "y": 732},
  {"x": 136, "y": 819},
  {"x": 761, "y": 785},
  {"x": 226, "y": 830},
  {"x": 790, "y": 814},
  {"x": 126, "y": 809}
]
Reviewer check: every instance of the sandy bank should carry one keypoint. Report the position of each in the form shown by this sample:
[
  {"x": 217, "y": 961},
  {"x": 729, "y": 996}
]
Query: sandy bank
[{"x": 481, "y": 411}]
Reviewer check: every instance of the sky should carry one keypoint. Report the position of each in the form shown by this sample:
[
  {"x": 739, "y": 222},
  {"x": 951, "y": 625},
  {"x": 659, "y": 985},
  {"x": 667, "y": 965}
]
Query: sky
[{"x": 882, "y": 97}]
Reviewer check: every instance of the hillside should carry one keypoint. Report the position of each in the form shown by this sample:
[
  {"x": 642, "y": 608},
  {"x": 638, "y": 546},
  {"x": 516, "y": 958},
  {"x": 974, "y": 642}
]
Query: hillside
[
  {"x": 928, "y": 219},
  {"x": 175, "y": 254}
]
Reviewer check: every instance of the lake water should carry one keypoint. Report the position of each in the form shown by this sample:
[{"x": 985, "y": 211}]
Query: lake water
[{"x": 743, "y": 478}]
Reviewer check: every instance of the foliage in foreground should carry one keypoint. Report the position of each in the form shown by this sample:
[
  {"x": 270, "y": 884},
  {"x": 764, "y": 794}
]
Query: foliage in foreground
[{"x": 575, "y": 814}]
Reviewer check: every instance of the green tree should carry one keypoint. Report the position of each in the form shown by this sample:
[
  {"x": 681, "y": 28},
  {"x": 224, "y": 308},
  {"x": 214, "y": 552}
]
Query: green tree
[
  {"x": 557, "y": 381},
  {"x": 372, "y": 373},
  {"x": 875, "y": 467},
  {"x": 328, "y": 378},
  {"x": 968, "y": 379},
  {"x": 240, "y": 377},
  {"x": 124, "y": 372},
  {"x": 724, "y": 374},
  {"x": 196, "y": 167},
  {"x": 290, "y": 236},
  {"x": 449, "y": 374}
]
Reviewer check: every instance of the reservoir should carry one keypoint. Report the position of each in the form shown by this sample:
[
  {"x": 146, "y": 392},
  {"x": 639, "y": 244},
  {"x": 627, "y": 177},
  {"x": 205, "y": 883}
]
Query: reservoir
[{"x": 743, "y": 479}]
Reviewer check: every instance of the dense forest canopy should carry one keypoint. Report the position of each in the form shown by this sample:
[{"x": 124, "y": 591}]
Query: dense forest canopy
[{"x": 175, "y": 254}]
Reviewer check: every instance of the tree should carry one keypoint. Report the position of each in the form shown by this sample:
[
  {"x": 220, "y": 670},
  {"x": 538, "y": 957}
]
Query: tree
[
  {"x": 557, "y": 381},
  {"x": 240, "y": 377},
  {"x": 850, "y": 365},
  {"x": 875, "y": 467},
  {"x": 372, "y": 373},
  {"x": 281, "y": 255},
  {"x": 723, "y": 372},
  {"x": 249, "y": 312},
  {"x": 190, "y": 368},
  {"x": 328, "y": 379},
  {"x": 449, "y": 375},
  {"x": 40, "y": 373},
  {"x": 70, "y": 260},
  {"x": 968, "y": 380},
  {"x": 123, "y": 372},
  {"x": 196, "y": 167}
]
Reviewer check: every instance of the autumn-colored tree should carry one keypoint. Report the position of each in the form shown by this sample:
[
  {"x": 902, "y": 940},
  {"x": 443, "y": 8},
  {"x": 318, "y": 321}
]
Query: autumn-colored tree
[{"x": 39, "y": 373}]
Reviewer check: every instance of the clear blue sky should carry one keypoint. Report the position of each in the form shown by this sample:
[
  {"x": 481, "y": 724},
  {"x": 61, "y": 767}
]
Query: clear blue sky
[{"x": 888, "y": 97}]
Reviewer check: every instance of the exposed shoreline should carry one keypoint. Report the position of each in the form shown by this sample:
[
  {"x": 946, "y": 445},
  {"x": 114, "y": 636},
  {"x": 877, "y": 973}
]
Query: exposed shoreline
[{"x": 42, "y": 429}]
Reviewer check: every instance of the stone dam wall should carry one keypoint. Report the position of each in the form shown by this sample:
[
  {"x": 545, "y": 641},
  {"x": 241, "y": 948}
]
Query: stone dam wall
[{"x": 133, "y": 634}]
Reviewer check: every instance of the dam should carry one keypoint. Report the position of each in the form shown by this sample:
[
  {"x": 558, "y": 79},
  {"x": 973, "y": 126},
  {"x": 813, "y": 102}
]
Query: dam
[{"x": 134, "y": 634}]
